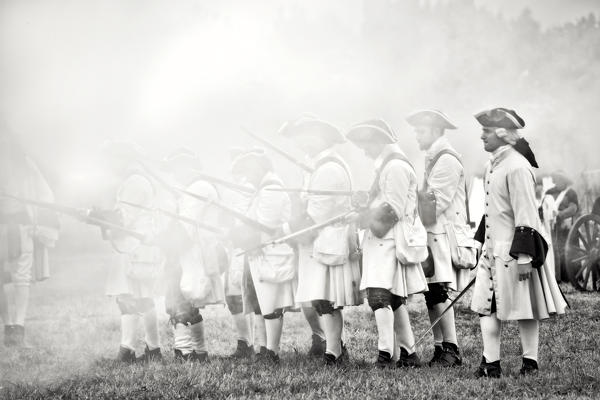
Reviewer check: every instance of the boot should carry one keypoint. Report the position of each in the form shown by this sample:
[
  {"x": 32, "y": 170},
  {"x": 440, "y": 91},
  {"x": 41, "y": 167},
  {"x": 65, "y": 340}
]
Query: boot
[
  {"x": 243, "y": 350},
  {"x": 450, "y": 356},
  {"x": 317, "y": 348},
  {"x": 437, "y": 354},
  {"x": 9, "y": 335},
  {"x": 530, "y": 367},
  {"x": 408, "y": 361},
  {"x": 150, "y": 355},
  {"x": 126, "y": 355},
  {"x": 488, "y": 370},
  {"x": 384, "y": 360}
]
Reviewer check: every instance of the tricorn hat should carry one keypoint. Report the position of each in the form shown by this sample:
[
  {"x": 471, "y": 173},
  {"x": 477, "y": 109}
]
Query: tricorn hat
[
  {"x": 249, "y": 158},
  {"x": 372, "y": 130},
  {"x": 310, "y": 124},
  {"x": 500, "y": 118},
  {"x": 182, "y": 156},
  {"x": 430, "y": 118}
]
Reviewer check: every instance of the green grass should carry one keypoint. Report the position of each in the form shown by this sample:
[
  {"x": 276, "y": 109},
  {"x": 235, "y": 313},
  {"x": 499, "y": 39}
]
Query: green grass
[{"x": 73, "y": 331}]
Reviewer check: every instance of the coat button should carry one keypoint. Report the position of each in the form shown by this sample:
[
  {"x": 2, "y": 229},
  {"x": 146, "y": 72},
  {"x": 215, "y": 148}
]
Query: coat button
[
  {"x": 506, "y": 265},
  {"x": 489, "y": 299},
  {"x": 492, "y": 289},
  {"x": 435, "y": 240}
]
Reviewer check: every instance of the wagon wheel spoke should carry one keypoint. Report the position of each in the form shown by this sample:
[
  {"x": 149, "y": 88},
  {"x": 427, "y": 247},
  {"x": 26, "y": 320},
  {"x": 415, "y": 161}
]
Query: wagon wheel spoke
[
  {"x": 579, "y": 259},
  {"x": 580, "y": 272},
  {"x": 582, "y": 239},
  {"x": 589, "y": 236},
  {"x": 579, "y": 250},
  {"x": 586, "y": 279}
]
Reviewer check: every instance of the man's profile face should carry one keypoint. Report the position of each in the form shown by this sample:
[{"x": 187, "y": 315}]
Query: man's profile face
[
  {"x": 425, "y": 136},
  {"x": 491, "y": 140}
]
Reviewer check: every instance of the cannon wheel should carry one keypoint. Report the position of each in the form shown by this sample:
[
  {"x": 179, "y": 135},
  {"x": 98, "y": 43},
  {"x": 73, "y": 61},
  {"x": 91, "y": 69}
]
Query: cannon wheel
[{"x": 583, "y": 253}]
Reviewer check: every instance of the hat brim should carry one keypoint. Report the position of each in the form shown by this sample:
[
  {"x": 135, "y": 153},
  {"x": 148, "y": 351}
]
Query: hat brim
[
  {"x": 313, "y": 127},
  {"x": 508, "y": 121},
  {"x": 249, "y": 160},
  {"x": 430, "y": 118},
  {"x": 369, "y": 133}
]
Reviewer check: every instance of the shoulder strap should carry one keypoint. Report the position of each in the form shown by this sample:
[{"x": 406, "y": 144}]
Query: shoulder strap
[
  {"x": 432, "y": 163},
  {"x": 337, "y": 161},
  {"x": 393, "y": 156}
]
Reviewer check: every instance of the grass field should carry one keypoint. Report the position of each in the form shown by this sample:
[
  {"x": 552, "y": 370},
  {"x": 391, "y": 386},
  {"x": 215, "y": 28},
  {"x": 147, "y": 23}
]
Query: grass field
[{"x": 73, "y": 331}]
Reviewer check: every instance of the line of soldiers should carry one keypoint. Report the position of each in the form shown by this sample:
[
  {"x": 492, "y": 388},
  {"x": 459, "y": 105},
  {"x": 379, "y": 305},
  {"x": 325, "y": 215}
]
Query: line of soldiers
[{"x": 254, "y": 246}]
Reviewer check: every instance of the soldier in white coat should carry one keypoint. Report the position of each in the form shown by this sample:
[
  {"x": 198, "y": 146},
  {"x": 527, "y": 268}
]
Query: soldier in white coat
[
  {"x": 268, "y": 287},
  {"x": 391, "y": 272},
  {"x": 513, "y": 279},
  {"x": 444, "y": 181},
  {"x": 328, "y": 265},
  {"x": 26, "y": 233},
  {"x": 134, "y": 275},
  {"x": 196, "y": 259}
]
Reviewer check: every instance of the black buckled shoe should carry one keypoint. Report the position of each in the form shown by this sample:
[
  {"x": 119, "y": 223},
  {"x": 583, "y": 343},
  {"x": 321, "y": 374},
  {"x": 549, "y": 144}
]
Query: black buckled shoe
[
  {"x": 317, "y": 348},
  {"x": 408, "y": 361},
  {"x": 153, "y": 355},
  {"x": 243, "y": 350},
  {"x": 267, "y": 356},
  {"x": 384, "y": 360},
  {"x": 126, "y": 355},
  {"x": 329, "y": 359},
  {"x": 450, "y": 356},
  {"x": 530, "y": 367},
  {"x": 18, "y": 336},
  {"x": 198, "y": 356},
  {"x": 9, "y": 335},
  {"x": 437, "y": 354},
  {"x": 179, "y": 356},
  {"x": 489, "y": 370}
]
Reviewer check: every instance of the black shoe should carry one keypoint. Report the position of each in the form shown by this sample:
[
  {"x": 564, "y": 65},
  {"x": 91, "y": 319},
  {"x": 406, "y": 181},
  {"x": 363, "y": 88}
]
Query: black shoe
[
  {"x": 530, "y": 367},
  {"x": 126, "y": 355},
  {"x": 437, "y": 354},
  {"x": 408, "y": 361},
  {"x": 150, "y": 355},
  {"x": 198, "y": 356},
  {"x": 243, "y": 350},
  {"x": 329, "y": 359},
  {"x": 489, "y": 370},
  {"x": 179, "y": 356},
  {"x": 450, "y": 356},
  {"x": 267, "y": 356},
  {"x": 9, "y": 335},
  {"x": 317, "y": 348},
  {"x": 384, "y": 360},
  {"x": 18, "y": 335}
]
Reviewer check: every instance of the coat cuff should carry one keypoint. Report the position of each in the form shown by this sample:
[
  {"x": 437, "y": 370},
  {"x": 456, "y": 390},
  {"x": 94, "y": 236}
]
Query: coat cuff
[{"x": 528, "y": 241}]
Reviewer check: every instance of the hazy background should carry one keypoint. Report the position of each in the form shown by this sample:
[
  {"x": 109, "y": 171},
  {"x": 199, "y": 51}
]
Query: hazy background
[{"x": 75, "y": 73}]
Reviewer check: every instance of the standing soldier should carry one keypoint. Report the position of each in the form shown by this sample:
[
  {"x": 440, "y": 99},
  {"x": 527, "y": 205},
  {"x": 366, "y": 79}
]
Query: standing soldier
[
  {"x": 268, "y": 281},
  {"x": 390, "y": 271},
  {"x": 196, "y": 259},
  {"x": 249, "y": 328},
  {"x": 444, "y": 185},
  {"x": 133, "y": 276},
  {"x": 328, "y": 269},
  {"x": 26, "y": 232},
  {"x": 513, "y": 280}
]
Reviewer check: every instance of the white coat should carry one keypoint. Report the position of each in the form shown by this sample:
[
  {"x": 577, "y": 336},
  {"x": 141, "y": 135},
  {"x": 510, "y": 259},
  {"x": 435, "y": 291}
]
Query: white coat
[
  {"x": 138, "y": 267},
  {"x": 272, "y": 209},
  {"x": 381, "y": 269},
  {"x": 510, "y": 203},
  {"x": 328, "y": 268},
  {"x": 447, "y": 182}
]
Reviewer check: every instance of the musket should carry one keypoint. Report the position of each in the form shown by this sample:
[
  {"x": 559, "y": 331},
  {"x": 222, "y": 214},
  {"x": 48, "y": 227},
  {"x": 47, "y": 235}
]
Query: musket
[
  {"x": 178, "y": 217},
  {"x": 280, "y": 151},
  {"x": 301, "y": 232},
  {"x": 240, "y": 216},
  {"x": 316, "y": 191},
  {"x": 224, "y": 183},
  {"x": 438, "y": 319},
  {"x": 79, "y": 215}
]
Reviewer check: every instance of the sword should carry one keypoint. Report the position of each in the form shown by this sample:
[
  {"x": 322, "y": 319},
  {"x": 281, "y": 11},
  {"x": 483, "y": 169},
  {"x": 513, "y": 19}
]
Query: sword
[
  {"x": 178, "y": 217},
  {"x": 280, "y": 151},
  {"x": 438, "y": 319}
]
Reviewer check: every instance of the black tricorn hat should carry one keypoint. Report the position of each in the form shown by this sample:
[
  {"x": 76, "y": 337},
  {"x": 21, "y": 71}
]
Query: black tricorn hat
[
  {"x": 430, "y": 118},
  {"x": 310, "y": 124},
  {"x": 500, "y": 118},
  {"x": 372, "y": 130}
]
